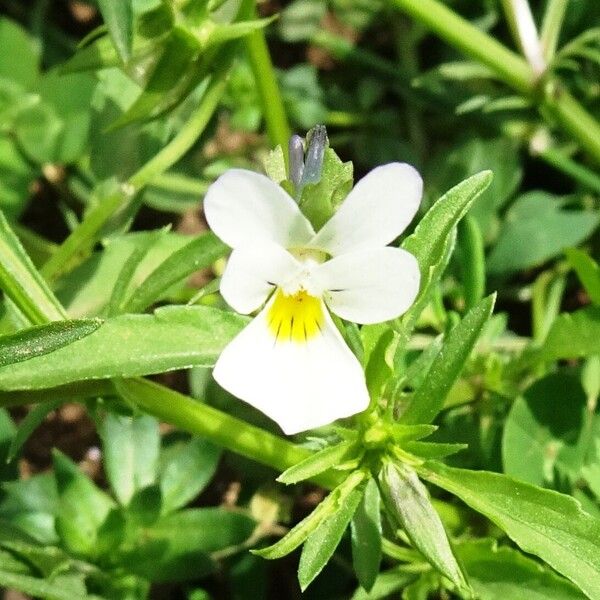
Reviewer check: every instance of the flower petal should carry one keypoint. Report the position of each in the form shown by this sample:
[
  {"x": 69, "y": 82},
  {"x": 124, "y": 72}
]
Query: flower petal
[
  {"x": 299, "y": 384},
  {"x": 252, "y": 274},
  {"x": 375, "y": 212},
  {"x": 243, "y": 208},
  {"x": 370, "y": 286}
]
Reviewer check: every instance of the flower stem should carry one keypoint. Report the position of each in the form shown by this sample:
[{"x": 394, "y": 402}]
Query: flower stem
[
  {"x": 560, "y": 161},
  {"x": 278, "y": 128},
  {"x": 216, "y": 426}
]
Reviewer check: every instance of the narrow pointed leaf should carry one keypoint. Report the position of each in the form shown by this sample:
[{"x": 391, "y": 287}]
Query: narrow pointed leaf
[
  {"x": 173, "y": 337},
  {"x": 197, "y": 254},
  {"x": 21, "y": 281},
  {"x": 409, "y": 507},
  {"x": 366, "y": 536},
  {"x": 550, "y": 525},
  {"x": 428, "y": 399},
  {"x": 302, "y": 530},
  {"x": 118, "y": 16},
  {"x": 317, "y": 463},
  {"x": 429, "y": 450},
  {"x": 322, "y": 542},
  {"x": 36, "y": 341}
]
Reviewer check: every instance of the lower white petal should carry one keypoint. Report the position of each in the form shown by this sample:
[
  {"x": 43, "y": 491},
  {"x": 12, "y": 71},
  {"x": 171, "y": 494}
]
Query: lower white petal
[
  {"x": 370, "y": 286},
  {"x": 253, "y": 272},
  {"x": 301, "y": 377}
]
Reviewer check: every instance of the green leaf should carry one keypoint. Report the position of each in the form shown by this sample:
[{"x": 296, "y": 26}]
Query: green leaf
[
  {"x": 60, "y": 588},
  {"x": 20, "y": 54},
  {"x": 130, "y": 448},
  {"x": 548, "y": 434},
  {"x": 428, "y": 399},
  {"x": 118, "y": 16},
  {"x": 82, "y": 507},
  {"x": 378, "y": 371},
  {"x": 408, "y": 506},
  {"x": 587, "y": 270},
  {"x": 573, "y": 335},
  {"x": 36, "y": 341},
  {"x": 200, "y": 253},
  {"x": 537, "y": 229},
  {"x": 434, "y": 236},
  {"x": 504, "y": 573},
  {"x": 22, "y": 283},
  {"x": 385, "y": 585},
  {"x": 320, "y": 461},
  {"x": 145, "y": 506},
  {"x": 428, "y": 450},
  {"x": 178, "y": 546},
  {"x": 322, "y": 542},
  {"x": 171, "y": 78},
  {"x": 184, "y": 470},
  {"x": 125, "y": 346},
  {"x": 327, "y": 508},
  {"x": 550, "y": 525},
  {"x": 366, "y": 536}
]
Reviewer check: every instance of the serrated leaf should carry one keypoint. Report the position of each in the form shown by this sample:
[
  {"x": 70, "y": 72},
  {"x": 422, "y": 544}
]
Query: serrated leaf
[
  {"x": 36, "y": 341},
  {"x": 408, "y": 506},
  {"x": 428, "y": 399},
  {"x": 172, "y": 338},
  {"x": 366, "y": 536},
  {"x": 317, "y": 463},
  {"x": 322, "y": 542},
  {"x": 550, "y": 525}
]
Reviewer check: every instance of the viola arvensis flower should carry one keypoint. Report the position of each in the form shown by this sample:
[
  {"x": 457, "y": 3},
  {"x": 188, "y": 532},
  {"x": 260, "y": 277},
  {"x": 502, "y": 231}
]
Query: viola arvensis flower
[{"x": 291, "y": 362}]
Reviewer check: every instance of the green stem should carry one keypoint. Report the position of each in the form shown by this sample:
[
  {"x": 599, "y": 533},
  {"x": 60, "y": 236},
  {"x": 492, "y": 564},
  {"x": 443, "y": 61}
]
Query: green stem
[
  {"x": 458, "y": 32},
  {"x": 216, "y": 426},
  {"x": 561, "y": 161},
  {"x": 187, "y": 136},
  {"x": 551, "y": 26},
  {"x": 73, "y": 392},
  {"x": 556, "y": 104},
  {"x": 278, "y": 128},
  {"x": 180, "y": 184}
]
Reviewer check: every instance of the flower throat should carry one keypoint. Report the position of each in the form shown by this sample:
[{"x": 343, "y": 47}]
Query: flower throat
[{"x": 295, "y": 318}]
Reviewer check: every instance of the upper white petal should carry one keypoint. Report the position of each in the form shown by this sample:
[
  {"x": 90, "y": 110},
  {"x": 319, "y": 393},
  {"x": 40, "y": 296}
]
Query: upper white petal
[
  {"x": 370, "y": 286},
  {"x": 243, "y": 208},
  {"x": 301, "y": 386},
  {"x": 375, "y": 212},
  {"x": 253, "y": 272}
]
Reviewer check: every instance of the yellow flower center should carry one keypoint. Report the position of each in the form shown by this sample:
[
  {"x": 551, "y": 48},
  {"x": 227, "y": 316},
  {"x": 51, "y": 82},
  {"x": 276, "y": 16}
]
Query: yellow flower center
[{"x": 295, "y": 318}]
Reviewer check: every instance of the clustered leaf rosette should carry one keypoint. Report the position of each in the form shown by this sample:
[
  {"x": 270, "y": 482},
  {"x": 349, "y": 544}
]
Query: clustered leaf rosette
[{"x": 291, "y": 361}]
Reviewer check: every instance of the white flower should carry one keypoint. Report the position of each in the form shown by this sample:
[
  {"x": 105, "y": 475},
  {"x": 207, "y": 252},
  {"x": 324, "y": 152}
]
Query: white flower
[{"x": 291, "y": 362}]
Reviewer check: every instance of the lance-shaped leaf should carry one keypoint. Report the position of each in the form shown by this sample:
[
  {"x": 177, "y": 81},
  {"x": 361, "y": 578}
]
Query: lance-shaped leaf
[
  {"x": 408, "y": 506},
  {"x": 433, "y": 235},
  {"x": 550, "y": 525},
  {"x": 428, "y": 399},
  {"x": 36, "y": 341},
  {"x": 21, "y": 281},
  {"x": 366, "y": 536},
  {"x": 317, "y": 463},
  {"x": 327, "y": 508},
  {"x": 587, "y": 270},
  {"x": 201, "y": 252},
  {"x": 323, "y": 541},
  {"x": 173, "y": 337},
  {"x": 118, "y": 16}
]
